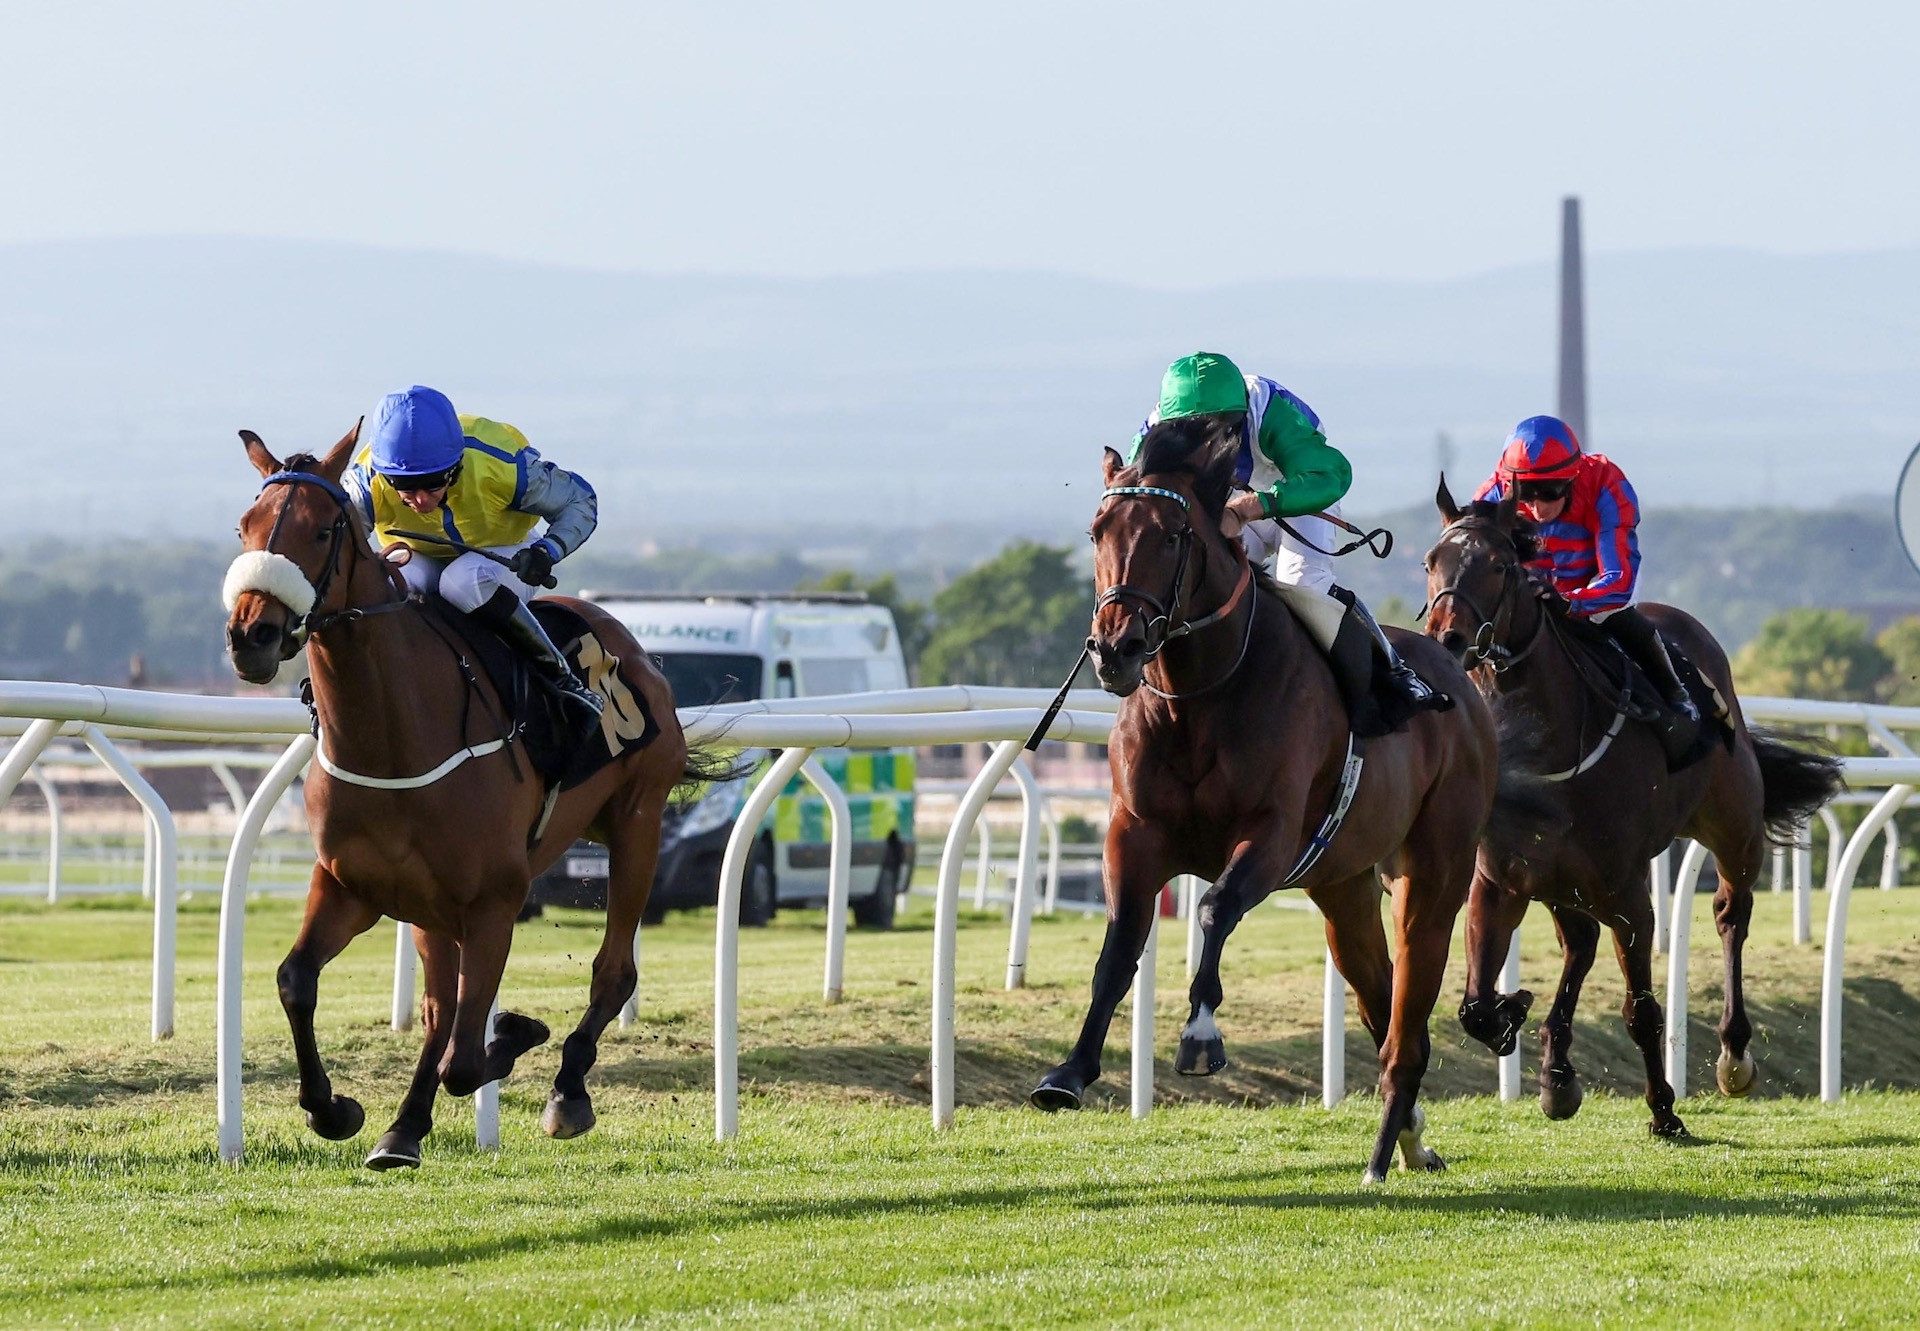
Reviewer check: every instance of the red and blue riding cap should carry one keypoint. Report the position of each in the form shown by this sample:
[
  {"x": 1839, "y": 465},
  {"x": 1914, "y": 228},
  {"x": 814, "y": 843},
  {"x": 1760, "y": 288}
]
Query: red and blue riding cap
[{"x": 1541, "y": 448}]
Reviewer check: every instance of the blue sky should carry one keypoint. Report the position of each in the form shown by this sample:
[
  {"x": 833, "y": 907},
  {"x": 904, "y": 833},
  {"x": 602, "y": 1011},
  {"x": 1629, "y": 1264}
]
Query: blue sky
[{"x": 1165, "y": 145}]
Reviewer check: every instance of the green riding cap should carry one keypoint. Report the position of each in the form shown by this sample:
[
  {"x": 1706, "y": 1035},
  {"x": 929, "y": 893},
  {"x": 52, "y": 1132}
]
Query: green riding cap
[{"x": 1201, "y": 384}]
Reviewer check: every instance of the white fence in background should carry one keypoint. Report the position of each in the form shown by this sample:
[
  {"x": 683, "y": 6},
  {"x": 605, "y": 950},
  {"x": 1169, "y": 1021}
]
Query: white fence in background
[{"x": 101, "y": 717}]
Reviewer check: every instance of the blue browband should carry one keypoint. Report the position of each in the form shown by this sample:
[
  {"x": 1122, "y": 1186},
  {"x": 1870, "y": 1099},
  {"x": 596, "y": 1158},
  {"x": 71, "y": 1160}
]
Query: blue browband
[
  {"x": 1119, "y": 490},
  {"x": 283, "y": 477}
]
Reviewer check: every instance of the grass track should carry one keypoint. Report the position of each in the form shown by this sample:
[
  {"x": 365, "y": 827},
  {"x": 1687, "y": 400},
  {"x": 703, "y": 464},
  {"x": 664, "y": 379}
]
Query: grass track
[{"x": 837, "y": 1206}]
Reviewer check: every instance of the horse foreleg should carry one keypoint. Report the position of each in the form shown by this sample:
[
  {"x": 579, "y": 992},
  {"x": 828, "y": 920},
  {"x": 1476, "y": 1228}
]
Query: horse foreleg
[
  {"x": 1424, "y": 906},
  {"x": 333, "y": 920},
  {"x": 1560, "y": 1092},
  {"x": 1646, "y": 1023},
  {"x": 630, "y": 865},
  {"x": 1489, "y": 1016},
  {"x": 399, "y": 1146},
  {"x": 1136, "y": 870},
  {"x": 1358, "y": 941},
  {"x": 471, "y": 1060}
]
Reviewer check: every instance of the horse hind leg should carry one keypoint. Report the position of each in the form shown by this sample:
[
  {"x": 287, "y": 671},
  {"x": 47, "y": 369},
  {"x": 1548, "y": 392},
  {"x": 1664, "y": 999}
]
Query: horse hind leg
[
  {"x": 1734, "y": 1069},
  {"x": 632, "y": 855},
  {"x": 333, "y": 919},
  {"x": 1560, "y": 1090},
  {"x": 399, "y": 1146}
]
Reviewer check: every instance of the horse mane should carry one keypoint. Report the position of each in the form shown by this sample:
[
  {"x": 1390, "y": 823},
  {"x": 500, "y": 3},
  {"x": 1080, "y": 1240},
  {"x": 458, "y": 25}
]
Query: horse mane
[
  {"x": 1203, "y": 447},
  {"x": 1484, "y": 515},
  {"x": 300, "y": 462}
]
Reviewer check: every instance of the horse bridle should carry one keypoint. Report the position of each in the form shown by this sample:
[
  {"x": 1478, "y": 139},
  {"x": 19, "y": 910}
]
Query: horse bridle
[
  {"x": 304, "y": 626},
  {"x": 1486, "y": 647},
  {"x": 1163, "y": 613}
]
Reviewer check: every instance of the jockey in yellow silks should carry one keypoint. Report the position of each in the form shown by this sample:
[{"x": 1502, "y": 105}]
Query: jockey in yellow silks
[{"x": 431, "y": 475}]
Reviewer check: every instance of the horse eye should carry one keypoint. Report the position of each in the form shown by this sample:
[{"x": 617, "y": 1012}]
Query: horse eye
[{"x": 1173, "y": 538}]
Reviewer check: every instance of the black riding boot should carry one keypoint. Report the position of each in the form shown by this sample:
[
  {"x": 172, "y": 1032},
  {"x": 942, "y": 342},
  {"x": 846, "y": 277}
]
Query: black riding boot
[
  {"x": 1417, "y": 692},
  {"x": 1679, "y": 731},
  {"x": 513, "y": 619},
  {"x": 1636, "y": 633}
]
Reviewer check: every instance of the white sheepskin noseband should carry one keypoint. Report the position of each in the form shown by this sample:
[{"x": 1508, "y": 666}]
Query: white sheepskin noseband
[{"x": 271, "y": 575}]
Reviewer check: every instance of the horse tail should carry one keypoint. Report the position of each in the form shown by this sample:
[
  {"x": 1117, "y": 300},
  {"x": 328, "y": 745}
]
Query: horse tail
[
  {"x": 1526, "y": 809},
  {"x": 709, "y": 764},
  {"x": 1794, "y": 783}
]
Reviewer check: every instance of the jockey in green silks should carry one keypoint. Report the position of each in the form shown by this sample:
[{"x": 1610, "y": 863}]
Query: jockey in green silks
[{"x": 1287, "y": 470}]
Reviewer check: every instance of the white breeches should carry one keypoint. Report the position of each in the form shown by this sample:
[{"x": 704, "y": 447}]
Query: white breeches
[
  {"x": 466, "y": 582},
  {"x": 1295, "y": 565}
]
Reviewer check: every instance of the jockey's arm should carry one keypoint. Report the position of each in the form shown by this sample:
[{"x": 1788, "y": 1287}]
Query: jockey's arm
[
  {"x": 1313, "y": 473},
  {"x": 357, "y": 481},
  {"x": 1616, "y": 548},
  {"x": 569, "y": 505}
]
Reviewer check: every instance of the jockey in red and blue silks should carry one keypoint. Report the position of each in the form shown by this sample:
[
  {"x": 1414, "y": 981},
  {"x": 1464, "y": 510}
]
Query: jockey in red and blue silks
[{"x": 1585, "y": 514}]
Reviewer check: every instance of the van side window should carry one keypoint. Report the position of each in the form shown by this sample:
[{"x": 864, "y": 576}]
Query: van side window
[
  {"x": 834, "y": 674},
  {"x": 783, "y": 680}
]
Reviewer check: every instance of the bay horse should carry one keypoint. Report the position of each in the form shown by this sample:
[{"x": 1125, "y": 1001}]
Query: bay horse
[
  {"x": 1231, "y": 746},
  {"x": 394, "y": 701},
  {"x": 1620, "y": 802}
]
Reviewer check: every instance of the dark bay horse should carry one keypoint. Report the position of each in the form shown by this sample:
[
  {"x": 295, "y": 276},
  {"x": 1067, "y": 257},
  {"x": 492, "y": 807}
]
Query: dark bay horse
[
  {"x": 1622, "y": 805},
  {"x": 1228, "y": 753},
  {"x": 450, "y": 855}
]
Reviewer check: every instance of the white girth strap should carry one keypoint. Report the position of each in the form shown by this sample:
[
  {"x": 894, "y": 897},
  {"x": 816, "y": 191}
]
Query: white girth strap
[
  {"x": 403, "y": 782},
  {"x": 1599, "y": 751}
]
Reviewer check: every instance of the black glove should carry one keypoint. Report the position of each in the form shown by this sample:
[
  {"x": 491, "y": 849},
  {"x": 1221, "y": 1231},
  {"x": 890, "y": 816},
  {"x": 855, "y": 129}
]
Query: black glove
[{"x": 533, "y": 565}]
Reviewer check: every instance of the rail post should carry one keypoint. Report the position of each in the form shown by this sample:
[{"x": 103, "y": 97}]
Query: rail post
[
  {"x": 1678, "y": 935},
  {"x": 164, "y": 852},
  {"x": 1143, "y": 1000},
  {"x": 1025, "y": 889},
  {"x": 839, "y": 874}
]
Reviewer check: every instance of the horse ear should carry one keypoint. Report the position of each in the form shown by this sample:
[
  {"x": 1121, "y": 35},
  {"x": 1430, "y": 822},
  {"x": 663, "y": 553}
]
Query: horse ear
[
  {"x": 1443, "y": 500},
  {"x": 263, "y": 461},
  {"x": 334, "y": 464},
  {"x": 1112, "y": 465}
]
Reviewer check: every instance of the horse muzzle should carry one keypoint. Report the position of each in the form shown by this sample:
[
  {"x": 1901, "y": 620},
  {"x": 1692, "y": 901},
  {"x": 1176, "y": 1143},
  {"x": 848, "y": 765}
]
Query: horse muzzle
[
  {"x": 258, "y": 649},
  {"x": 1120, "y": 662}
]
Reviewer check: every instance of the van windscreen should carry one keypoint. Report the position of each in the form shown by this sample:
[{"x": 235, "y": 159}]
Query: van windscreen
[{"x": 701, "y": 679}]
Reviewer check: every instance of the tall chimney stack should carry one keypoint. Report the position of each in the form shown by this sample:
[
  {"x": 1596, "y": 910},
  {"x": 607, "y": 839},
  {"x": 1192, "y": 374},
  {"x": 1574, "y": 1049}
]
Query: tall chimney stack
[{"x": 1573, "y": 324}]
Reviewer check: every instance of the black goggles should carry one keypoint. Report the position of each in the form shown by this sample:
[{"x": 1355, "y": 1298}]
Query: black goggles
[
  {"x": 1542, "y": 491},
  {"x": 432, "y": 480}
]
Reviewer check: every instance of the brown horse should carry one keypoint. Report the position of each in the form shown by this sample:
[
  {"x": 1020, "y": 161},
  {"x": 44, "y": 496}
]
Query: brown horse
[
  {"x": 1621, "y": 802},
  {"x": 1231, "y": 748},
  {"x": 451, "y": 856}
]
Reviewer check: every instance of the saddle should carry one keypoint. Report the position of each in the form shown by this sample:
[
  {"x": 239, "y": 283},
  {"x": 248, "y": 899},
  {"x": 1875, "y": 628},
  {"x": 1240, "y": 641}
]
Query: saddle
[
  {"x": 548, "y": 733},
  {"x": 1614, "y": 675}
]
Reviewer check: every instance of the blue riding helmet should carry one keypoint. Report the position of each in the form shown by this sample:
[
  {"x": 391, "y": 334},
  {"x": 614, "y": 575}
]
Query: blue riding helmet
[{"x": 416, "y": 433}]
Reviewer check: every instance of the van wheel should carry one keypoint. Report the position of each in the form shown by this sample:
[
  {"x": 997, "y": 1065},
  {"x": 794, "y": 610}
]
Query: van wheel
[
  {"x": 757, "y": 901},
  {"x": 876, "y": 911}
]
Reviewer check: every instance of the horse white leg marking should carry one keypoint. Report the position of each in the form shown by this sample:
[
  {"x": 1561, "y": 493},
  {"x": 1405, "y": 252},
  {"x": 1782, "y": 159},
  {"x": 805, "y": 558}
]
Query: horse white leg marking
[
  {"x": 1200, "y": 1026},
  {"x": 1414, "y": 1152}
]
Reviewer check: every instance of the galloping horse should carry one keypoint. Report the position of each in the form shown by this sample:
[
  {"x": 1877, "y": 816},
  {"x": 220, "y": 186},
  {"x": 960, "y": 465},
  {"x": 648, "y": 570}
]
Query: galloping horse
[
  {"x": 1623, "y": 805},
  {"x": 1231, "y": 746},
  {"x": 452, "y": 855}
]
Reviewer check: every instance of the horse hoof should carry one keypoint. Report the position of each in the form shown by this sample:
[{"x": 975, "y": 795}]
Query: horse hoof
[
  {"x": 342, "y": 1118},
  {"x": 1669, "y": 1128},
  {"x": 1200, "y": 1058},
  {"x": 1059, "y": 1089},
  {"x": 1560, "y": 1100},
  {"x": 1426, "y": 1161},
  {"x": 518, "y": 1032},
  {"x": 394, "y": 1151},
  {"x": 1497, "y": 1024},
  {"x": 1736, "y": 1076},
  {"x": 1371, "y": 1177},
  {"x": 566, "y": 1117}
]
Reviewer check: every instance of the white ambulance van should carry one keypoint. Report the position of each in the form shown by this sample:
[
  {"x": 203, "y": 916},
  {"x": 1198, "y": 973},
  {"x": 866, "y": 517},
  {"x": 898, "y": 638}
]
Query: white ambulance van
[{"x": 730, "y": 647}]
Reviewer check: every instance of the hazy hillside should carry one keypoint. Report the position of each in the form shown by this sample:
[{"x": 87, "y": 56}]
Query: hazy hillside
[{"x": 817, "y": 410}]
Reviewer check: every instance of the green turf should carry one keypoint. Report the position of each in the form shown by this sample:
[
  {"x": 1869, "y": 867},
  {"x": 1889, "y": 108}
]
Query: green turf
[{"x": 837, "y": 1205}]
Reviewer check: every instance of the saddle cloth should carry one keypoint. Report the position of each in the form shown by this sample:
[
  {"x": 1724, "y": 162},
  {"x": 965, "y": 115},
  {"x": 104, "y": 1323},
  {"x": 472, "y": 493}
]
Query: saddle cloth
[{"x": 548, "y": 733}]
